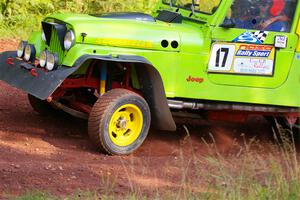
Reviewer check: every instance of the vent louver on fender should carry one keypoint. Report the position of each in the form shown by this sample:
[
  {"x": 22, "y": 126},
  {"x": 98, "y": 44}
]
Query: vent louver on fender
[{"x": 169, "y": 16}]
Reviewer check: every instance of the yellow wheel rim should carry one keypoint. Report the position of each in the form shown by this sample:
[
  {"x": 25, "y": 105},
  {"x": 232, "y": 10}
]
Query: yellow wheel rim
[{"x": 125, "y": 125}]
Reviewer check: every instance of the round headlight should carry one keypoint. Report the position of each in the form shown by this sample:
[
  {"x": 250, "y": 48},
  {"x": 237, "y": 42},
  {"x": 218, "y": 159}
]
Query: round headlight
[
  {"x": 69, "y": 40},
  {"x": 52, "y": 61},
  {"x": 21, "y": 49},
  {"x": 43, "y": 58},
  {"x": 44, "y": 37},
  {"x": 29, "y": 54}
]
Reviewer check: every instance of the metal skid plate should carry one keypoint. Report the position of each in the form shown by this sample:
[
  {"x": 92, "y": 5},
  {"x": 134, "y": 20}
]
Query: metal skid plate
[{"x": 33, "y": 80}]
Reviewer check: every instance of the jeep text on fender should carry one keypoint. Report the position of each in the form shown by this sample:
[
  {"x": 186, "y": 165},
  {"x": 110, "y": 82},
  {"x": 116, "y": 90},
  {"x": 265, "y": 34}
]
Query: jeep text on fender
[{"x": 122, "y": 71}]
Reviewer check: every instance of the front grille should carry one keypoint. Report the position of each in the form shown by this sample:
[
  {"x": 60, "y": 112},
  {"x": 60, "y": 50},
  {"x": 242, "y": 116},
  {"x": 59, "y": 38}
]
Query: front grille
[
  {"x": 55, "y": 33},
  {"x": 55, "y": 46}
]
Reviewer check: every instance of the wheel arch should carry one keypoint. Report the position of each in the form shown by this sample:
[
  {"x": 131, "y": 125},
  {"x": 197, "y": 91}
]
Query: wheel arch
[{"x": 151, "y": 86}]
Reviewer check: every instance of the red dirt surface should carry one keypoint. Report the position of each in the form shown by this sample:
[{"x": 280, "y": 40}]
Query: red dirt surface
[
  {"x": 8, "y": 44},
  {"x": 54, "y": 153}
]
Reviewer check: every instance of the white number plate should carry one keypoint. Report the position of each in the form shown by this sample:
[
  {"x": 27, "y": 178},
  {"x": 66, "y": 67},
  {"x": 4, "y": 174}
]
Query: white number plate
[{"x": 221, "y": 57}]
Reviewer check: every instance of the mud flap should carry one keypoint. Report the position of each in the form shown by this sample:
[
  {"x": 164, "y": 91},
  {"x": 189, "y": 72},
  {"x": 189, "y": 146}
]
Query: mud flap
[{"x": 30, "y": 79}]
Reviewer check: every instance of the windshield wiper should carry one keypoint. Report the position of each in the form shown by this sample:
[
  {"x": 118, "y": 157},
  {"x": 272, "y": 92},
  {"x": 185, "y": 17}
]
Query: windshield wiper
[
  {"x": 171, "y": 5},
  {"x": 193, "y": 8}
]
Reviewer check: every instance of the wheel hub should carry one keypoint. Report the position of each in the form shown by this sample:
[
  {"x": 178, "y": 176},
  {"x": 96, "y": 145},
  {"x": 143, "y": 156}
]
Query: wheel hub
[{"x": 122, "y": 123}]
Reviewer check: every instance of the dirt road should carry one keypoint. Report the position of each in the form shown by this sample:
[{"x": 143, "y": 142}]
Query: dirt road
[{"x": 54, "y": 154}]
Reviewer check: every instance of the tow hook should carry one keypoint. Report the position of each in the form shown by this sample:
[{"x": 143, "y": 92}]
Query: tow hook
[
  {"x": 33, "y": 72},
  {"x": 10, "y": 61},
  {"x": 30, "y": 69}
]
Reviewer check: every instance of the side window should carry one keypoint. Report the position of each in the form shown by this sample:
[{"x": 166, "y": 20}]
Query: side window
[{"x": 266, "y": 15}]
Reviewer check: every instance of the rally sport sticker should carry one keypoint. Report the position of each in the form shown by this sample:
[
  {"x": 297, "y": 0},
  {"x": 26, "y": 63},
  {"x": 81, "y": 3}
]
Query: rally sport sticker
[{"x": 238, "y": 58}]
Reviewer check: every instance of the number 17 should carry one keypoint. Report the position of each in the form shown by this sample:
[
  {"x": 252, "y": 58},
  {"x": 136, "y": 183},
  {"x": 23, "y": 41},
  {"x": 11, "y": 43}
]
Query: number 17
[
  {"x": 221, "y": 58},
  {"x": 226, "y": 52}
]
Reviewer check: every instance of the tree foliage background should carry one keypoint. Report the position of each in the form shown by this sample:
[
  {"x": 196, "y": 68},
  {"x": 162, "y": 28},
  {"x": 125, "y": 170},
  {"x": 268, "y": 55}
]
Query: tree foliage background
[{"x": 19, "y": 17}]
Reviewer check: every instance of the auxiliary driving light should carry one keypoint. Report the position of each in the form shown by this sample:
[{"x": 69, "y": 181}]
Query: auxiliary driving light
[
  {"x": 21, "y": 49},
  {"x": 52, "y": 61},
  {"x": 29, "y": 54},
  {"x": 43, "y": 59}
]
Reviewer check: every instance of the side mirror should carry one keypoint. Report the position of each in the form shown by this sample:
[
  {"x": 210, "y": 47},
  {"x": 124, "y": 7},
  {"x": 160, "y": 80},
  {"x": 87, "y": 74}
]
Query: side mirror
[{"x": 228, "y": 23}]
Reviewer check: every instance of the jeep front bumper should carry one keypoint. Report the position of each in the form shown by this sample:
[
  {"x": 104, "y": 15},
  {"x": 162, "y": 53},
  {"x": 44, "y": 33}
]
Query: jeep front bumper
[{"x": 33, "y": 80}]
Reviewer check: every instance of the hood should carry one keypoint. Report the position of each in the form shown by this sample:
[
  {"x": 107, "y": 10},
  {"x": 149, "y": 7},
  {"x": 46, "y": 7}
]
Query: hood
[{"x": 128, "y": 30}]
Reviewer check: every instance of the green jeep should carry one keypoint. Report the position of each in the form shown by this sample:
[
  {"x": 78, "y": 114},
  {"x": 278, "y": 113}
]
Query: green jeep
[{"x": 221, "y": 59}]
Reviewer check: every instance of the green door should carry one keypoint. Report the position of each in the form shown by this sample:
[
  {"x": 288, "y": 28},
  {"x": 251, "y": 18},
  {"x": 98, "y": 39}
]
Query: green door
[{"x": 257, "y": 46}]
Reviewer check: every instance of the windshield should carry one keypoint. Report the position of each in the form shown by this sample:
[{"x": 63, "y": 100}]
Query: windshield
[{"x": 204, "y": 6}]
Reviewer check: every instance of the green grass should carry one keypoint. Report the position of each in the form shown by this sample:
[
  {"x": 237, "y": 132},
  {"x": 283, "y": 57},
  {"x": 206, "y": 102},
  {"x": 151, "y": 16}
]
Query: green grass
[{"x": 37, "y": 196}]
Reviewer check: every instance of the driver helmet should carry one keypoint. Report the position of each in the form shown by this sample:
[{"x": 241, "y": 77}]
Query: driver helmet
[{"x": 277, "y": 7}]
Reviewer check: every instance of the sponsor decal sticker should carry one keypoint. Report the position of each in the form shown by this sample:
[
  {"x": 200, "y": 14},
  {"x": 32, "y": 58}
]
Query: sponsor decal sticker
[
  {"x": 124, "y": 43},
  {"x": 257, "y": 37},
  {"x": 239, "y": 58},
  {"x": 280, "y": 41},
  {"x": 254, "y": 51}
]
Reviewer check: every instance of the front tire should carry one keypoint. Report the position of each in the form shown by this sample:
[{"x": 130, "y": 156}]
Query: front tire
[{"x": 119, "y": 122}]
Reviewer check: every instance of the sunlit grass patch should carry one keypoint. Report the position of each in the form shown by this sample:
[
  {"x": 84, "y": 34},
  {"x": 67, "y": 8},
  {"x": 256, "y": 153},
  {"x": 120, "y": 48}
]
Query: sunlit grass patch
[{"x": 37, "y": 195}]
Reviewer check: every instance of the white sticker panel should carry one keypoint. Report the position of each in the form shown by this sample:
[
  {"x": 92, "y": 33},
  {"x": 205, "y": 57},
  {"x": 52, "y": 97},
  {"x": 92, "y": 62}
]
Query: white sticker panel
[
  {"x": 280, "y": 41},
  {"x": 221, "y": 57},
  {"x": 253, "y": 66},
  {"x": 241, "y": 58}
]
